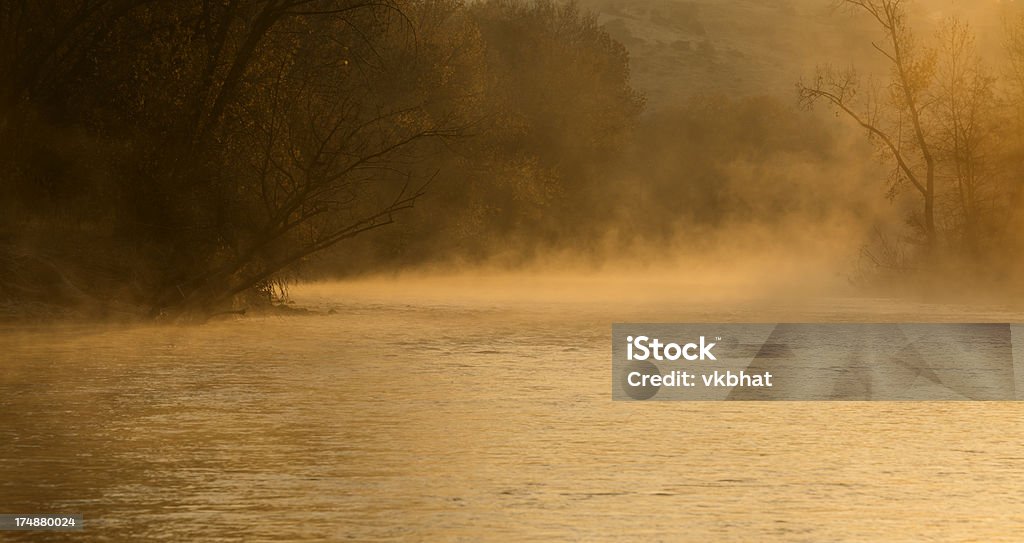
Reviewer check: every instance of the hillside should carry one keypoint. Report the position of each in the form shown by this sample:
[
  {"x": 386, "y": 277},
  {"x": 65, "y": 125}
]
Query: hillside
[{"x": 749, "y": 47}]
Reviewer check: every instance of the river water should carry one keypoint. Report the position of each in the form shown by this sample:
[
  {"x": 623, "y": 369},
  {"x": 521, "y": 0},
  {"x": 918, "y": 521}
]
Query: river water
[{"x": 448, "y": 417}]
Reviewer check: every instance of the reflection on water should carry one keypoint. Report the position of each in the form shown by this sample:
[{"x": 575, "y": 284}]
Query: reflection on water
[{"x": 455, "y": 419}]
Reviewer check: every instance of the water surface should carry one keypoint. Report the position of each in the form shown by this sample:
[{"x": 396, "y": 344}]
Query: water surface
[{"x": 467, "y": 418}]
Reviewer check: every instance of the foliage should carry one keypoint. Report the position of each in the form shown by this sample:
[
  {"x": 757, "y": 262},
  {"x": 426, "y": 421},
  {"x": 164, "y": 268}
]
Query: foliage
[{"x": 179, "y": 155}]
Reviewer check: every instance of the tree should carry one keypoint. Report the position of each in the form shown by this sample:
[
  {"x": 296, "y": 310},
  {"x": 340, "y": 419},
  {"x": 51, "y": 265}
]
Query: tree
[
  {"x": 184, "y": 155},
  {"x": 217, "y": 143},
  {"x": 966, "y": 109},
  {"x": 549, "y": 108},
  {"x": 896, "y": 124},
  {"x": 322, "y": 127}
]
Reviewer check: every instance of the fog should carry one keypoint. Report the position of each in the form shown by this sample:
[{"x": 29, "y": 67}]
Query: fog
[
  {"x": 313, "y": 270},
  {"x": 754, "y": 47},
  {"x": 771, "y": 146},
  {"x": 776, "y": 205}
]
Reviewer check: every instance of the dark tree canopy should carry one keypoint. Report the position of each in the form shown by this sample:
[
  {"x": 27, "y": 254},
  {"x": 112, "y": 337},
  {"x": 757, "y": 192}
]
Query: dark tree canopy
[{"x": 177, "y": 155}]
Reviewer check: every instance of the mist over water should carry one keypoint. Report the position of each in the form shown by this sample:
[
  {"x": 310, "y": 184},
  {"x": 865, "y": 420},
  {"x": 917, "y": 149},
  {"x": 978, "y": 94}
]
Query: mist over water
[
  {"x": 476, "y": 406},
  {"x": 602, "y": 136},
  {"x": 446, "y": 377}
]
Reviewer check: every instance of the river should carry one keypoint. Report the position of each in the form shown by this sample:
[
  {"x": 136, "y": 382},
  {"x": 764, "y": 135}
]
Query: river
[{"x": 444, "y": 414}]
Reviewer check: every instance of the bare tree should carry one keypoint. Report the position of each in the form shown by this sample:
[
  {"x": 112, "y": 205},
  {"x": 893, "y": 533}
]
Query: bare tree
[
  {"x": 897, "y": 124},
  {"x": 318, "y": 136},
  {"x": 1014, "y": 96},
  {"x": 965, "y": 95},
  {"x": 255, "y": 132}
]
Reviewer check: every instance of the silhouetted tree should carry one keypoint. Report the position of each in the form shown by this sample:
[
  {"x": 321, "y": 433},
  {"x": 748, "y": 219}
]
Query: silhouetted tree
[
  {"x": 236, "y": 138},
  {"x": 894, "y": 121}
]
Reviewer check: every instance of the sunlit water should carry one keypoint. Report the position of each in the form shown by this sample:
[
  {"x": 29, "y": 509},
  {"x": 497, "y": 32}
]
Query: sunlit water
[{"x": 404, "y": 417}]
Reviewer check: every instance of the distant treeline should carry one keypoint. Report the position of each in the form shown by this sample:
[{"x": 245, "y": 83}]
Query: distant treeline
[
  {"x": 179, "y": 155},
  {"x": 668, "y": 184},
  {"x": 178, "y": 158}
]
